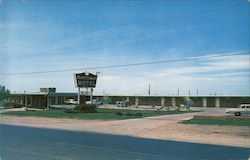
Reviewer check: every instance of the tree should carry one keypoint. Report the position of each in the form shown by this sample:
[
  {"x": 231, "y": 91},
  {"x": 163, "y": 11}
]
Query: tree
[{"x": 4, "y": 93}]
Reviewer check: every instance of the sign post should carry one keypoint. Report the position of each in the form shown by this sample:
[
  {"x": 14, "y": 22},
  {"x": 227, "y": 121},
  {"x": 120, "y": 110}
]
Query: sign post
[
  {"x": 78, "y": 98},
  {"x": 85, "y": 80}
]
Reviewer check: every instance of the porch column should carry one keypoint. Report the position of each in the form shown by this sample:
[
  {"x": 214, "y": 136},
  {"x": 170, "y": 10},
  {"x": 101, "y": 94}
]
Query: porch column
[
  {"x": 162, "y": 101},
  {"x": 48, "y": 102},
  {"x": 64, "y": 99},
  {"x": 217, "y": 102},
  {"x": 136, "y": 101},
  {"x": 21, "y": 100},
  {"x": 173, "y": 101},
  {"x": 204, "y": 102},
  {"x": 56, "y": 99},
  {"x": 26, "y": 101},
  {"x": 31, "y": 101}
]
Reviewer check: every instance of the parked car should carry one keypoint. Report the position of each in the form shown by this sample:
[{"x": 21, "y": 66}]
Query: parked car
[
  {"x": 71, "y": 101},
  {"x": 123, "y": 103},
  {"x": 98, "y": 102},
  {"x": 95, "y": 102},
  {"x": 240, "y": 110}
]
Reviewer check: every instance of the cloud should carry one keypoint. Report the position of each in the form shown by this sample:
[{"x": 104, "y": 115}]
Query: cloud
[
  {"x": 224, "y": 75},
  {"x": 212, "y": 66}
]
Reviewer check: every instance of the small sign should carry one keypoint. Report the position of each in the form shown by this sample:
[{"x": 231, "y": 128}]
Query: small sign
[{"x": 85, "y": 80}]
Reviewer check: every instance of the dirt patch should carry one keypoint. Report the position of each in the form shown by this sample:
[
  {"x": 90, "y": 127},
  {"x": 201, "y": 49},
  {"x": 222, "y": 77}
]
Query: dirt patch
[{"x": 221, "y": 135}]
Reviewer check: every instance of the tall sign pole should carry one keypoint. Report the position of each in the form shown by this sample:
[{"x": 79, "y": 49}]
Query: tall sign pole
[
  {"x": 87, "y": 91},
  {"x": 79, "y": 98},
  {"x": 91, "y": 95}
]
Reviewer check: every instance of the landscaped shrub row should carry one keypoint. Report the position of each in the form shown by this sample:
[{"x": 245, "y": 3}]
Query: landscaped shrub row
[
  {"x": 82, "y": 108},
  {"x": 129, "y": 114},
  {"x": 10, "y": 105}
]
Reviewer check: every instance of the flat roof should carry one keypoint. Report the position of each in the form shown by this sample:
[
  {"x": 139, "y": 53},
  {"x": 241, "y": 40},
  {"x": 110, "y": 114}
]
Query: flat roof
[
  {"x": 31, "y": 93},
  {"x": 101, "y": 95},
  {"x": 166, "y": 96}
]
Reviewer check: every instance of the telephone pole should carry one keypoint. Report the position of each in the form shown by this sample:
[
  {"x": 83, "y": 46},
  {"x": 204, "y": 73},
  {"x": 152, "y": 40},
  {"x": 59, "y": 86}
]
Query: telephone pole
[{"x": 149, "y": 89}]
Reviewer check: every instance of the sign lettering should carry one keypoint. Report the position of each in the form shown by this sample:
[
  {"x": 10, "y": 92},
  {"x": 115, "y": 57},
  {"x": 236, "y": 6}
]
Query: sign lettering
[{"x": 84, "y": 80}]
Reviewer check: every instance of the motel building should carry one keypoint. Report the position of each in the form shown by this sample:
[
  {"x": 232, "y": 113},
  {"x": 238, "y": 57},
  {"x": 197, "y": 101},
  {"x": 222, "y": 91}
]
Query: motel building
[{"x": 48, "y": 96}]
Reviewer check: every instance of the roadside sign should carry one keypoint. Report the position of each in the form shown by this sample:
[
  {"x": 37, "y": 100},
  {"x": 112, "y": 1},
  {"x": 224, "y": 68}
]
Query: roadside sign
[{"x": 85, "y": 80}]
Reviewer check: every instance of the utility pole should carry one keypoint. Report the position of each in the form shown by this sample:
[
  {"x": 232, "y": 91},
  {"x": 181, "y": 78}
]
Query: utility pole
[
  {"x": 188, "y": 91},
  {"x": 149, "y": 89},
  {"x": 178, "y": 91},
  {"x": 197, "y": 92}
]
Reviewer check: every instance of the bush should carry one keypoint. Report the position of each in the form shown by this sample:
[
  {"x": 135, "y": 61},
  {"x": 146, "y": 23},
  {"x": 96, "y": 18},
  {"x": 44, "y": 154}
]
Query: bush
[
  {"x": 129, "y": 114},
  {"x": 70, "y": 110},
  {"x": 119, "y": 114},
  {"x": 82, "y": 108},
  {"x": 10, "y": 105},
  {"x": 138, "y": 114},
  {"x": 37, "y": 107},
  {"x": 85, "y": 107}
]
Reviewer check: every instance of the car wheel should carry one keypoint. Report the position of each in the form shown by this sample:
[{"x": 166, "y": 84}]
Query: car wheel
[{"x": 237, "y": 114}]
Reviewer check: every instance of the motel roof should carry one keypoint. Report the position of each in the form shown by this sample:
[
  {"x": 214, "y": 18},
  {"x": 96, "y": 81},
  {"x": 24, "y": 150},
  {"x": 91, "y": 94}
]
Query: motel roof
[{"x": 101, "y": 95}]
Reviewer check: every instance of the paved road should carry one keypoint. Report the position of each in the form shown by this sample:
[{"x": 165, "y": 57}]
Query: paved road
[{"x": 25, "y": 143}]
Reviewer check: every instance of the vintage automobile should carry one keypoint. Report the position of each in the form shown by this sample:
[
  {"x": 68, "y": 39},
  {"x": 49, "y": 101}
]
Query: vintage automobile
[
  {"x": 71, "y": 101},
  {"x": 242, "y": 109},
  {"x": 95, "y": 102},
  {"x": 123, "y": 103}
]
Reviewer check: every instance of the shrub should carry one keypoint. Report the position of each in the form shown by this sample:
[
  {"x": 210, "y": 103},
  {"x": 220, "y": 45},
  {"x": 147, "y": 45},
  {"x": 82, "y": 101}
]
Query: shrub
[
  {"x": 138, "y": 114},
  {"x": 119, "y": 114},
  {"x": 82, "y": 108},
  {"x": 71, "y": 110},
  {"x": 38, "y": 107},
  {"x": 129, "y": 114},
  {"x": 10, "y": 105},
  {"x": 85, "y": 107}
]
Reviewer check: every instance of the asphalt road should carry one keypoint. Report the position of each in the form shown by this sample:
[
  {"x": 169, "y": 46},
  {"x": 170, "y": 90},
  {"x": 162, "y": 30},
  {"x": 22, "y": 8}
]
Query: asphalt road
[{"x": 25, "y": 143}]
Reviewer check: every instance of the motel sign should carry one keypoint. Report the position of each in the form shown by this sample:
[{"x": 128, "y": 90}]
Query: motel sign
[{"x": 85, "y": 80}]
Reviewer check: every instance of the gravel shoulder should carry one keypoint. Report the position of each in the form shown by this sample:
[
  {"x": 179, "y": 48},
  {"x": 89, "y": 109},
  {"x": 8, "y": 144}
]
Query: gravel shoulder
[{"x": 161, "y": 127}]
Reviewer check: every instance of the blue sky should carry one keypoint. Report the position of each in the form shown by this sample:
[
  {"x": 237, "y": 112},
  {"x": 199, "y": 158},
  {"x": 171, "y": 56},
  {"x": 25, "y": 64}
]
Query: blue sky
[{"x": 52, "y": 35}]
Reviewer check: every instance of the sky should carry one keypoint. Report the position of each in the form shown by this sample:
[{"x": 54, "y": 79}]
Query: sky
[{"x": 55, "y": 35}]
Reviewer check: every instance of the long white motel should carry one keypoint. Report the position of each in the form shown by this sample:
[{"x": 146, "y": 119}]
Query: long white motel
[{"x": 48, "y": 96}]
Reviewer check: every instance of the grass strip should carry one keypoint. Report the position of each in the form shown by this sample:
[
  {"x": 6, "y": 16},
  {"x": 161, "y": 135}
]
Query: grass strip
[
  {"x": 101, "y": 114},
  {"x": 219, "y": 120}
]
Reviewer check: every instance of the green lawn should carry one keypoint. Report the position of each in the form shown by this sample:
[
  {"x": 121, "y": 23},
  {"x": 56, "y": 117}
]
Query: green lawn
[
  {"x": 221, "y": 121},
  {"x": 101, "y": 114}
]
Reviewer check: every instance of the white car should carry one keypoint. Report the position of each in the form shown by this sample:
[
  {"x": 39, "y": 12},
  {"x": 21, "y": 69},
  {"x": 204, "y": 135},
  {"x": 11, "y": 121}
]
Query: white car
[
  {"x": 121, "y": 104},
  {"x": 95, "y": 102},
  {"x": 240, "y": 110},
  {"x": 71, "y": 101}
]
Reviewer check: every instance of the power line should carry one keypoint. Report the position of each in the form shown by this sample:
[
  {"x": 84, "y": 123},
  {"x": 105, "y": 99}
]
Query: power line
[{"x": 127, "y": 65}]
